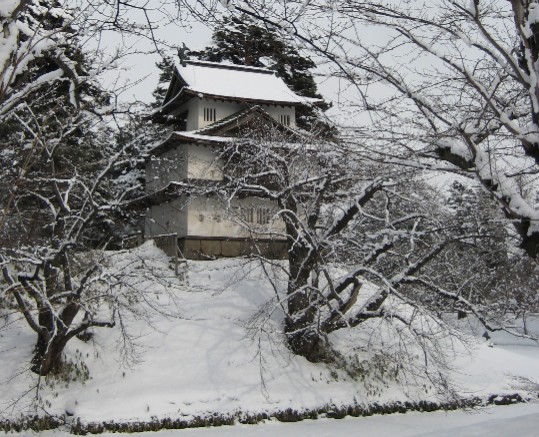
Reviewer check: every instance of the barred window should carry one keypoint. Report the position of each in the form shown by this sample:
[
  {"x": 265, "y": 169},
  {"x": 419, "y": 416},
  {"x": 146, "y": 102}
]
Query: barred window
[
  {"x": 260, "y": 216},
  {"x": 210, "y": 114},
  {"x": 249, "y": 215},
  {"x": 284, "y": 119},
  {"x": 263, "y": 216}
]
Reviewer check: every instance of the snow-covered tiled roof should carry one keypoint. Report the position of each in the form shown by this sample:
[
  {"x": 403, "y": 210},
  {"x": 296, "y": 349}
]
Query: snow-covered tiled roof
[
  {"x": 195, "y": 136},
  {"x": 238, "y": 82}
]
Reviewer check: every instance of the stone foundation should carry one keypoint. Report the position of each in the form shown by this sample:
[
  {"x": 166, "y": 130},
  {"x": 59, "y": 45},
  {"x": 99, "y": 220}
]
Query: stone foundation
[{"x": 204, "y": 248}]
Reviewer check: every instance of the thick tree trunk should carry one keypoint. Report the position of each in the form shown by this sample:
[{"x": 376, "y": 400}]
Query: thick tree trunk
[
  {"x": 301, "y": 326},
  {"x": 307, "y": 342},
  {"x": 53, "y": 338},
  {"x": 48, "y": 355}
]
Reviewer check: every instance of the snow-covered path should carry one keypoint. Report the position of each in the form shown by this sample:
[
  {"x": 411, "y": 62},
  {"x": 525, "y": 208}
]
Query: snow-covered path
[{"x": 517, "y": 420}]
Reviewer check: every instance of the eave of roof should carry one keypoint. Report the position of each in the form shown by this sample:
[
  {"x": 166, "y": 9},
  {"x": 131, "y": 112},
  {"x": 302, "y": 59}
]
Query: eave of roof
[
  {"x": 191, "y": 92},
  {"x": 224, "y": 66},
  {"x": 178, "y": 189},
  {"x": 197, "y": 138}
]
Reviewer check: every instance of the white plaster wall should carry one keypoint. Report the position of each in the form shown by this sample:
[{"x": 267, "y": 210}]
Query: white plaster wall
[
  {"x": 192, "y": 116},
  {"x": 195, "y": 108},
  {"x": 167, "y": 218},
  {"x": 167, "y": 167},
  {"x": 186, "y": 161},
  {"x": 210, "y": 217},
  {"x": 223, "y": 110},
  {"x": 203, "y": 163},
  {"x": 276, "y": 110}
]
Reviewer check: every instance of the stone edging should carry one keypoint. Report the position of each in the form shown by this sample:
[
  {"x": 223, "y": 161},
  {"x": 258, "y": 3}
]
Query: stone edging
[{"x": 77, "y": 427}]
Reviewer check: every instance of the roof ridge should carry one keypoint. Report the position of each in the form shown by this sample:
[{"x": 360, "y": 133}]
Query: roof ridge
[{"x": 238, "y": 67}]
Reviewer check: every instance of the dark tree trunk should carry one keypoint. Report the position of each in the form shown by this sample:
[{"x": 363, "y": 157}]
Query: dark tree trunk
[
  {"x": 307, "y": 342},
  {"x": 301, "y": 326},
  {"x": 53, "y": 338},
  {"x": 48, "y": 355}
]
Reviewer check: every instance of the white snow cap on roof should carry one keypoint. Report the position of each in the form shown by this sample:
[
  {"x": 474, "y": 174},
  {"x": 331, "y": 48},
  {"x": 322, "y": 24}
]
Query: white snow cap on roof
[{"x": 237, "y": 81}]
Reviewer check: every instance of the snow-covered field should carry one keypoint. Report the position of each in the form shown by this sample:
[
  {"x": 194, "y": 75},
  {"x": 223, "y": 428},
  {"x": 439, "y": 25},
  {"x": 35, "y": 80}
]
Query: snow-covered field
[{"x": 214, "y": 353}]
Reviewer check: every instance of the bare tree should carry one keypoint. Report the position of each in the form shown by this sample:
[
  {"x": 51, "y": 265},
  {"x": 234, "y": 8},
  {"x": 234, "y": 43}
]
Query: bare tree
[
  {"x": 348, "y": 226},
  {"x": 452, "y": 82},
  {"x": 441, "y": 89},
  {"x": 447, "y": 87},
  {"x": 57, "y": 197}
]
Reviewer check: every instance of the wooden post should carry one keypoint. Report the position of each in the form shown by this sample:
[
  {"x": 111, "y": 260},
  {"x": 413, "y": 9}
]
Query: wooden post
[{"x": 176, "y": 257}]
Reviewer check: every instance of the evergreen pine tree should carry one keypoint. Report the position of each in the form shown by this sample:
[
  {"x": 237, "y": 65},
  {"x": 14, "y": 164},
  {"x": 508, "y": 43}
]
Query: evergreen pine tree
[
  {"x": 243, "y": 42},
  {"x": 48, "y": 124},
  {"x": 166, "y": 68}
]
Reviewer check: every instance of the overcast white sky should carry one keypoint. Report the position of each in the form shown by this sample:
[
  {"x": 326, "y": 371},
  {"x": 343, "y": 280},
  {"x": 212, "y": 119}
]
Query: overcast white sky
[{"x": 141, "y": 67}]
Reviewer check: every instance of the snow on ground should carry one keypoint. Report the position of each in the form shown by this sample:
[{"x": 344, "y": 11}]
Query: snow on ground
[{"x": 202, "y": 359}]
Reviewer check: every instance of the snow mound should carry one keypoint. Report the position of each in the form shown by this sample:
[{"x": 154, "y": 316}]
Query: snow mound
[{"x": 213, "y": 344}]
